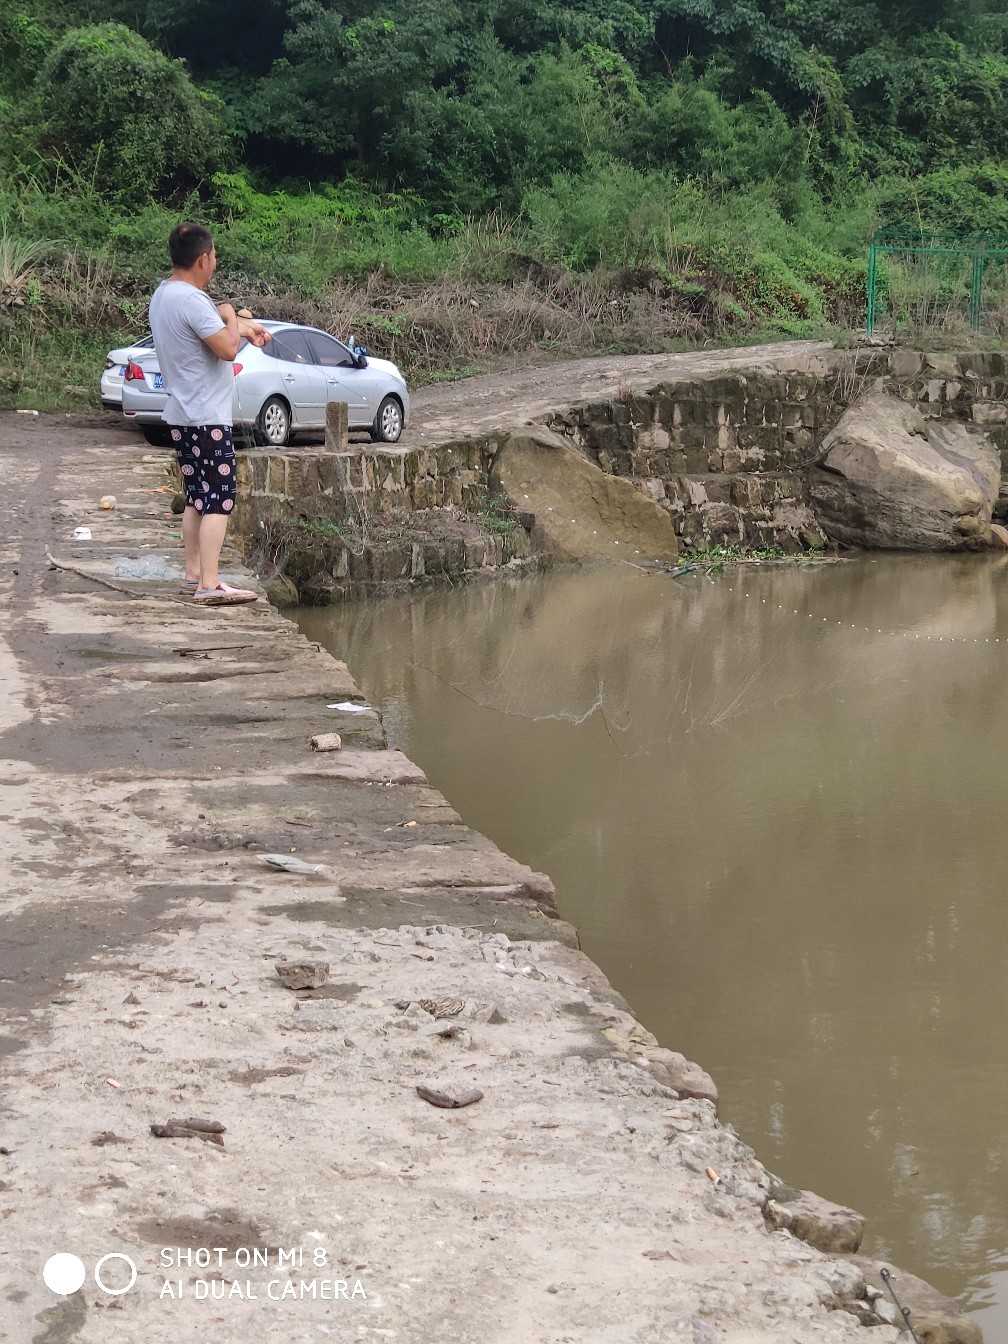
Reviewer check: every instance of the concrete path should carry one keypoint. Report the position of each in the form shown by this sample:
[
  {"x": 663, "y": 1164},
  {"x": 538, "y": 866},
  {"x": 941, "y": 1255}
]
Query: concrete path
[{"x": 152, "y": 752}]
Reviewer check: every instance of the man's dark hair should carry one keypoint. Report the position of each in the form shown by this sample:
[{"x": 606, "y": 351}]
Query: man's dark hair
[{"x": 187, "y": 243}]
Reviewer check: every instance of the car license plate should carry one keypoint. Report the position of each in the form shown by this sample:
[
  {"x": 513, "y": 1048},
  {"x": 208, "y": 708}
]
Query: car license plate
[
  {"x": 122, "y": 370},
  {"x": 158, "y": 383}
]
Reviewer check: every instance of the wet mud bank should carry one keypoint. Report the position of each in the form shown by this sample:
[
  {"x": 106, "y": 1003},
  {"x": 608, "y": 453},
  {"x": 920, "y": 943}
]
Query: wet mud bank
[{"x": 179, "y": 1101}]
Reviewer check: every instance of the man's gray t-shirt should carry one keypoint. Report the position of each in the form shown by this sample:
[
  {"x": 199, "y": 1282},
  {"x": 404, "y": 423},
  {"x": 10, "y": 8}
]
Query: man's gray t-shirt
[{"x": 200, "y": 385}]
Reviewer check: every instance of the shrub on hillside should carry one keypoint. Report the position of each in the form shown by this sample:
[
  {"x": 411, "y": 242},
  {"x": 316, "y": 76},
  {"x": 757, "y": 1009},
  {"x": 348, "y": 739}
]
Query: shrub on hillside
[{"x": 124, "y": 116}]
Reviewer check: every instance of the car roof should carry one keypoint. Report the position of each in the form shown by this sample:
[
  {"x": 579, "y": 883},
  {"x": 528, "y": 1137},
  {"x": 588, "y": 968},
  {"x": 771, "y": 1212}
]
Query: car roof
[
  {"x": 297, "y": 326},
  {"x": 245, "y": 347}
]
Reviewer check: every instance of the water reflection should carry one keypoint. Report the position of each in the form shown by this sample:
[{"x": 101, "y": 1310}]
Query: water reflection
[{"x": 773, "y": 806}]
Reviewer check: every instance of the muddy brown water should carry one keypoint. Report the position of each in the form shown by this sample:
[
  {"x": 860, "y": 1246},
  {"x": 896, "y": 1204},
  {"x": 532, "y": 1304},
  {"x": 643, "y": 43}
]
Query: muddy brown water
[{"x": 774, "y": 804}]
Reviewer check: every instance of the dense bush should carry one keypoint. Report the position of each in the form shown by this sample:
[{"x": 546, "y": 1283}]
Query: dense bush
[{"x": 119, "y": 113}]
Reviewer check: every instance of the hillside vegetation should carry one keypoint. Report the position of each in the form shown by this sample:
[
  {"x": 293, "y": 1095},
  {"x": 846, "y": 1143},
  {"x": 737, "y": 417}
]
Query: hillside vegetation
[{"x": 459, "y": 181}]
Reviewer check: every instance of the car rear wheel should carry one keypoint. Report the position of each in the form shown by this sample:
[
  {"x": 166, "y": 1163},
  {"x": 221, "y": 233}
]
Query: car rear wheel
[
  {"x": 273, "y": 423},
  {"x": 388, "y": 423},
  {"x": 157, "y": 435}
]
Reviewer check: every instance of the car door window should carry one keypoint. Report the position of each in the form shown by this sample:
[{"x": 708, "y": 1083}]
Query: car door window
[
  {"x": 330, "y": 353},
  {"x": 291, "y": 346}
]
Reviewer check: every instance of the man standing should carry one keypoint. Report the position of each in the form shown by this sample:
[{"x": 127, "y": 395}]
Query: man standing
[{"x": 196, "y": 342}]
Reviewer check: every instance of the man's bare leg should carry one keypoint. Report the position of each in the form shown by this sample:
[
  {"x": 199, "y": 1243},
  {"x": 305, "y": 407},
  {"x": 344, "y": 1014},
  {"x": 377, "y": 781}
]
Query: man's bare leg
[
  {"x": 212, "y": 528},
  {"x": 190, "y": 540}
]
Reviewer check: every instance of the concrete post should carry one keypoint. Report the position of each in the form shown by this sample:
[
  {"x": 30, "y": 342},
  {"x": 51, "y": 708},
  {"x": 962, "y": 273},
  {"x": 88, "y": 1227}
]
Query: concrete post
[{"x": 337, "y": 430}]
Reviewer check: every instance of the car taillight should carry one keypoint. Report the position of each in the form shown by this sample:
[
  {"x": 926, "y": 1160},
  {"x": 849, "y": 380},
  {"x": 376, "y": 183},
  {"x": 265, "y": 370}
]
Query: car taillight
[
  {"x": 134, "y": 373},
  {"x": 110, "y": 363},
  {"x": 237, "y": 369}
]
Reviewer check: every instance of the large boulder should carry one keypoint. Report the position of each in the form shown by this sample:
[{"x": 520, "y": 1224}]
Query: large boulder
[
  {"x": 891, "y": 480},
  {"x": 581, "y": 513}
]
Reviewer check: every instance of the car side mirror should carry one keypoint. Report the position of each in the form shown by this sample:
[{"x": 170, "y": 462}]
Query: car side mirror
[{"x": 360, "y": 359}]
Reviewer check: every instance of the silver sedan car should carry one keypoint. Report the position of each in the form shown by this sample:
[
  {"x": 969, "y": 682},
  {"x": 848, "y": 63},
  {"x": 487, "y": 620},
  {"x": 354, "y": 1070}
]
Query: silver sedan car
[
  {"x": 115, "y": 370},
  {"x": 284, "y": 388}
]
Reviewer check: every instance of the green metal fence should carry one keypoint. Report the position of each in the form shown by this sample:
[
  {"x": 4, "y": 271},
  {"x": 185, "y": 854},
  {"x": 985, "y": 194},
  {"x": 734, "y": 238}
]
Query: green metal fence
[{"x": 939, "y": 280}]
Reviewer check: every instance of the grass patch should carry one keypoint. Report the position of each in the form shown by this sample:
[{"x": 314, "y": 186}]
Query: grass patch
[
  {"x": 51, "y": 370},
  {"x": 496, "y": 514},
  {"x": 715, "y": 560}
]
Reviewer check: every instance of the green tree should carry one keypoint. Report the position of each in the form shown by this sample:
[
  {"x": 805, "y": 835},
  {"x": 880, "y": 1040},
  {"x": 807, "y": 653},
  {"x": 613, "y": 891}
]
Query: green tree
[
  {"x": 928, "y": 102},
  {"x": 342, "y": 84},
  {"x": 516, "y": 122},
  {"x": 116, "y": 111},
  {"x": 217, "y": 40},
  {"x": 25, "y": 38}
]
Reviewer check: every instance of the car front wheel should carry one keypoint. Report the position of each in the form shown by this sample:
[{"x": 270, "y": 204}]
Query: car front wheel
[
  {"x": 273, "y": 423},
  {"x": 388, "y": 423}
]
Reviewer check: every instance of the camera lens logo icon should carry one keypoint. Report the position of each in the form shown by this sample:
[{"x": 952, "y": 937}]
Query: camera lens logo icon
[{"x": 64, "y": 1274}]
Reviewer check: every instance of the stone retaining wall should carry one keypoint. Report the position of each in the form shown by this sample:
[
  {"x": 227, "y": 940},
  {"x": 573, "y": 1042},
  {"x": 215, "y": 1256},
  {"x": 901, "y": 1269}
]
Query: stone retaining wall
[
  {"x": 325, "y": 571},
  {"x": 376, "y": 478},
  {"x": 409, "y": 515},
  {"x": 724, "y": 455},
  {"x": 728, "y": 456}
]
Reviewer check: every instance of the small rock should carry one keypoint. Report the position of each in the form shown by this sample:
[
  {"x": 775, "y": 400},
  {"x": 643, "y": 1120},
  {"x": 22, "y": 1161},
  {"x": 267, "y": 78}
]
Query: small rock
[
  {"x": 886, "y": 1311},
  {"x": 989, "y": 413},
  {"x": 303, "y": 974},
  {"x": 846, "y": 1281},
  {"x": 862, "y": 1311},
  {"x": 704, "y": 1332},
  {"x": 678, "y": 1072}
]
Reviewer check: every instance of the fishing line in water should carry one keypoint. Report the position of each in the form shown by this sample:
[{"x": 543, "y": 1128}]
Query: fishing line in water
[
  {"x": 576, "y": 720},
  {"x": 832, "y": 624}
]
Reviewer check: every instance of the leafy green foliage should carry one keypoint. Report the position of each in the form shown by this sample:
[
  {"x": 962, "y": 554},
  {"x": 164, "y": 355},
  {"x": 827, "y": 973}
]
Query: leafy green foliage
[
  {"x": 732, "y": 155},
  {"x": 25, "y": 38},
  {"x": 109, "y": 104}
]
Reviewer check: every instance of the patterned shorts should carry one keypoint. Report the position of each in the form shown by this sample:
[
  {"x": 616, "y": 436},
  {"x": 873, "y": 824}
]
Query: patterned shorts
[{"x": 206, "y": 458}]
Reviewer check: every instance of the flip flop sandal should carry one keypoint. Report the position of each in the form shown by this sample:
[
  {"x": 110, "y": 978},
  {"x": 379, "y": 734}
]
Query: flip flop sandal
[
  {"x": 189, "y": 587},
  {"x": 224, "y": 596}
]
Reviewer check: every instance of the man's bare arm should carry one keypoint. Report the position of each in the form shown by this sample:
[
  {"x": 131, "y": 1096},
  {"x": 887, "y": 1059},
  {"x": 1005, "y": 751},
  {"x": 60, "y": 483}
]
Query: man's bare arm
[
  {"x": 224, "y": 343},
  {"x": 254, "y": 332}
]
